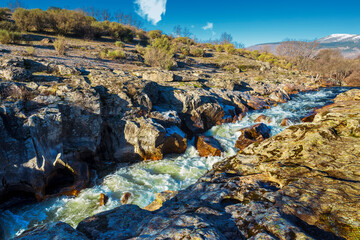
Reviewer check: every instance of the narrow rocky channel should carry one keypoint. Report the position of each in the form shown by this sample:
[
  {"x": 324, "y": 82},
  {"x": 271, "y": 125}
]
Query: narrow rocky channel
[{"x": 143, "y": 180}]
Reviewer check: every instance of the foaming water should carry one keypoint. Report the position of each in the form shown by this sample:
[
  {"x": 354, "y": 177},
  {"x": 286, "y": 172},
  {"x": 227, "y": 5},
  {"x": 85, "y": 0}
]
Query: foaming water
[{"x": 144, "y": 179}]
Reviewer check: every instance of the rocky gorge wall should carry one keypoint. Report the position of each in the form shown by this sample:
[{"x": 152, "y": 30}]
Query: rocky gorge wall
[
  {"x": 59, "y": 122},
  {"x": 300, "y": 184}
]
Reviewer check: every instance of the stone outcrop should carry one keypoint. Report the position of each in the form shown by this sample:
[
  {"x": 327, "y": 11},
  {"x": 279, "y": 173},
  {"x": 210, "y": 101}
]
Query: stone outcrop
[
  {"x": 208, "y": 146},
  {"x": 254, "y": 134}
]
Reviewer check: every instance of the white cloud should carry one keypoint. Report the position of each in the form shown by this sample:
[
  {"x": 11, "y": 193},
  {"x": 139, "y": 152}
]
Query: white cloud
[
  {"x": 152, "y": 10},
  {"x": 209, "y": 25}
]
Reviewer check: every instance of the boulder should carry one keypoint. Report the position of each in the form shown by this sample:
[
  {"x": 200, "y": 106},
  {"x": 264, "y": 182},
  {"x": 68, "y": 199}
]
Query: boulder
[
  {"x": 254, "y": 134},
  {"x": 59, "y": 231},
  {"x": 208, "y": 146},
  {"x": 351, "y": 95},
  {"x": 309, "y": 117},
  {"x": 64, "y": 70},
  {"x": 151, "y": 140},
  {"x": 160, "y": 198},
  {"x": 262, "y": 118},
  {"x": 159, "y": 76},
  {"x": 119, "y": 223},
  {"x": 15, "y": 74},
  {"x": 126, "y": 198},
  {"x": 285, "y": 122},
  {"x": 280, "y": 96}
]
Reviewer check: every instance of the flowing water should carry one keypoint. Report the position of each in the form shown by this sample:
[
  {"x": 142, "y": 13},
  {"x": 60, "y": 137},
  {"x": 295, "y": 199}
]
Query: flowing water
[{"x": 145, "y": 179}]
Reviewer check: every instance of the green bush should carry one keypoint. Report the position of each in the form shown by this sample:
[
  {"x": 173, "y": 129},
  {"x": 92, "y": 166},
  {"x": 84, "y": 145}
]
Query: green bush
[
  {"x": 7, "y": 37},
  {"x": 7, "y": 25},
  {"x": 229, "y": 48},
  {"x": 5, "y": 13},
  {"x": 163, "y": 43},
  {"x": 185, "y": 50},
  {"x": 154, "y": 34},
  {"x": 141, "y": 35},
  {"x": 219, "y": 48},
  {"x": 60, "y": 46},
  {"x": 119, "y": 32},
  {"x": 184, "y": 40},
  {"x": 158, "y": 58},
  {"x": 197, "y": 52},
  {"x": 112, "y": 54}
]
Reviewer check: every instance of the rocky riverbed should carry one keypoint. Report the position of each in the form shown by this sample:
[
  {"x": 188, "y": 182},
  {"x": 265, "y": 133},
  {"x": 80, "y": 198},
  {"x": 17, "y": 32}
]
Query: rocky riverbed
[
  {"x": 62, "y": 124},
  {"x": 300, "y": 184}
]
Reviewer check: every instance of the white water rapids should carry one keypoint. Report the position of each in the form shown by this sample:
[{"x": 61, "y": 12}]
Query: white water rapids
[{"x": 144, "y": 179}]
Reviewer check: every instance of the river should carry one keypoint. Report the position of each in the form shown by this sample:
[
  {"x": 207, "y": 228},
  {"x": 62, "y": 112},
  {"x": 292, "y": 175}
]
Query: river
[{"x": 144, "y": 179}]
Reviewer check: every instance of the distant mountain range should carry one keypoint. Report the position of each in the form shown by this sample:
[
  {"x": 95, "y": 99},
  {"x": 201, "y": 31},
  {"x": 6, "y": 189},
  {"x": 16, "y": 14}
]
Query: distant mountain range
[{"x": 349, "y": 44}]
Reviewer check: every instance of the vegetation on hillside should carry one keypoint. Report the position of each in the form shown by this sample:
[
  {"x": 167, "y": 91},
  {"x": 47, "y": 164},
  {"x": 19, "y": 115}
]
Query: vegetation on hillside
[{"x": 160, "y": 50}]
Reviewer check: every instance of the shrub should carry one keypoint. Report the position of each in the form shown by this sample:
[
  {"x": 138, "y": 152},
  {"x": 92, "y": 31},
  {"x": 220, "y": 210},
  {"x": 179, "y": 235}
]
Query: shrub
[
  {"x": 109, "y": 54},
  {"x": 30, "y": 51},
  {"x": 184, "y": 40},
  {"x": 154, "y": 34},
  {"x": 229, "y": 48},
  {"x": 60, "y": 46},
  {"x": 7, "y": 25},
  {"x": 162, "y": 43},
  {"x": 185, "y": 50},
  {"x": 158, "y": 58},
  {"x": 7, "y": 37},
  {"x": 5, "y": 13},
  {"x": 119, "y": 44},
  {"x": 210, "y": 46},
  {"x": 219, "y": 48},
  {"x": 119, "y": 32},
  {"x": 141, "y": 35},
  {"x": 197, "y": 52}
]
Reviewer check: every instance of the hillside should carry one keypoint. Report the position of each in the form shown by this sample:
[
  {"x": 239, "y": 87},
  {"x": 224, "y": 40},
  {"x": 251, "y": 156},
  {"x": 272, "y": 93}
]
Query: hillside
[{"x": 349, "y": 44}]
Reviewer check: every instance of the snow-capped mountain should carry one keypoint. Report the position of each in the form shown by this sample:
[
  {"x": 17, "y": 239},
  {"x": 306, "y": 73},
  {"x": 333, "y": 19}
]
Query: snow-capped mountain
[
  {"x": 340, "y": 38},
  {"x": 348, "y": 44}
]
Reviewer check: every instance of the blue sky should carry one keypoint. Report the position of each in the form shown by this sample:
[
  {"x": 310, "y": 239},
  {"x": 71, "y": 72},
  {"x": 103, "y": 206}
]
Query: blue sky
[{"x": 249, "y": 22}]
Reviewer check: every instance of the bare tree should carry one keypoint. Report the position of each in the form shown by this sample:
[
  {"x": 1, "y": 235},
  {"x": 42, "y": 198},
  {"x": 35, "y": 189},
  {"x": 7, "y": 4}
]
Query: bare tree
[
  {"x": 299, "y": 53},
  {"x": 226, "y": 38},
  {"x": 14, "y": 4},
  {"x": 186, "y": 32},
  {"x": 127, "y": 19},
  {"x": 92, "y": 12},
  {"x": 106, "y": 15},
  {"x": 239, "y": 45},
  {"x": 177, "y": 31}
]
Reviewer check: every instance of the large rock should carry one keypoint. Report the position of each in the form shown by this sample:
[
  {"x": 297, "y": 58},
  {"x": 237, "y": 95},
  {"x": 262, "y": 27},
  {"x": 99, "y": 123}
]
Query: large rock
[
  {"x": 151, "y": 140},
  {"x": 13, "y": 69},
  {"x": 58, "y": 231},
  {"x": 46, "y": 150},
  {"x": 120, "y": 223},
  {"x": 159, "y": 76},
  {"x": 208, "y": 146},
  {"x": 160, "y": 198},
  {"x": 254, "y": 134}
]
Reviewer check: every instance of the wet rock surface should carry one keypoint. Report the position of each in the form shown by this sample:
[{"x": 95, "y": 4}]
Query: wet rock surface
[
  {"x": 254, "y": 134},
  {"x": 300, "y": 184},
  {"x": 208, "y": 146}
]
